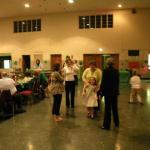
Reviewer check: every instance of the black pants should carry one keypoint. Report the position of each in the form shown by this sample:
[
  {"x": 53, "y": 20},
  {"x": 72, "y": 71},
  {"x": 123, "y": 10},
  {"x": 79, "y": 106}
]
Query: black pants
[
  {"x": 56, "y": 104},
  {"x": 70, "y": 93},
  {"x": 111, "y": 104},
  {"x": 96, "y": 109},
  {"x": 76, "y": 79},
  {"x": 18, "y": 101}
]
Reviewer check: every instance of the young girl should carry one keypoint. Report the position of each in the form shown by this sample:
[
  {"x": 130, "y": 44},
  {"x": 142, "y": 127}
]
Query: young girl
[
  {"x": 90, "y": 94},
  {"x": 135, "y": 82},
  {"x": 56, "y": 88}
]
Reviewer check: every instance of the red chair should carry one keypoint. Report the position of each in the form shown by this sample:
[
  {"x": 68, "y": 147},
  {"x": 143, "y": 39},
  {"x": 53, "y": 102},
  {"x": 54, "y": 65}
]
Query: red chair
[{"x": 28, "y": 94}]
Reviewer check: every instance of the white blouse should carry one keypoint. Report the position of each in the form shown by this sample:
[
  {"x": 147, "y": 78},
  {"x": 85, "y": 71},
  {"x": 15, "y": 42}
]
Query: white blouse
[{"x": 69, "y": 72}]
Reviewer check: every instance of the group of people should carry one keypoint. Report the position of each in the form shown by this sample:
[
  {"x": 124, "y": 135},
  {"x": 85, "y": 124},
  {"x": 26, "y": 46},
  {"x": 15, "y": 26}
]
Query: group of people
[
  {"x": 8, "y": 91},
  {"x": 13, "y": 93},
  {"x": 96, "y": 85}
]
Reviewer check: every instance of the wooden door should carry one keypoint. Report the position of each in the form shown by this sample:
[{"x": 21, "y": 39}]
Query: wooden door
[
  {"x": 56, "y": 59},
  {"x": 87, "y": 58}
]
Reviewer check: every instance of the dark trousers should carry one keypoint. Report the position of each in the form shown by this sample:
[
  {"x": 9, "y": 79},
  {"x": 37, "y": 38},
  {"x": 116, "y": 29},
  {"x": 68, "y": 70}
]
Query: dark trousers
[
  {"x": 111, "y": 104},
  {"x": 70, "y": 93},
  {"x": 96, "y": 109},
  {"x": 56, "y": 104},
  {"x": 18, "y": 101},
  {"x": 76, "y": 79}
]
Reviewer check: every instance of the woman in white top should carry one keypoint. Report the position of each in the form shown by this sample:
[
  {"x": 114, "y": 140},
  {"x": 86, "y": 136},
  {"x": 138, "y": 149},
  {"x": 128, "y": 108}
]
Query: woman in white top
[
  {"x": 135, "y": 82},
  {"x": 68, "y": 72}
]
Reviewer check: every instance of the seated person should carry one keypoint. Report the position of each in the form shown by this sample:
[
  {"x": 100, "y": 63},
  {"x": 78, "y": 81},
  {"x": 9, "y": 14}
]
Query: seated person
[
  {"x": 7, "y": 83},
  {"x": 39, "y": 82}
]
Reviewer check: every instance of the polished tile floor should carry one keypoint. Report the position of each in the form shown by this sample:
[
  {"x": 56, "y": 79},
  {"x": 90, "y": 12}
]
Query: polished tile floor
[{"x": 35, "y": 130}]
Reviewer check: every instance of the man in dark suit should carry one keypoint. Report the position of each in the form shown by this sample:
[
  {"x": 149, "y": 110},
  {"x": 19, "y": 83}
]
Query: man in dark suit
[{"x": 110, "y": 90}]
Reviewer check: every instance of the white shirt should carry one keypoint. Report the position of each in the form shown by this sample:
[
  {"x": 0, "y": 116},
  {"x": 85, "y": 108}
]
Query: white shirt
[
  {"x": 69, "y": 73},
  {"x": 8, "y": 84},
  {"x": 135, "y": 82},
  {"x": 40, "y": 66}
]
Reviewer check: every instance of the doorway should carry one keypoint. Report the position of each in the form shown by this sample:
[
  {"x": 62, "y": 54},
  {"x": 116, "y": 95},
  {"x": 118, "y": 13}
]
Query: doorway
[
  {"x": 56, "y": 59},
  {"x": 26, "y": 62}
]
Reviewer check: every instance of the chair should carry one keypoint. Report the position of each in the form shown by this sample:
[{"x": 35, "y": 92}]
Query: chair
[
  {"x": 37, "y": 89},
  {"x": 6, "y": 104},
  {"x": 27, "y": 94}
]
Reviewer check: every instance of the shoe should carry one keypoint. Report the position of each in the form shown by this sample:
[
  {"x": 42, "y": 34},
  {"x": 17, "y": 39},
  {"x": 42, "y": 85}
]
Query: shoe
[
  {"x": 19, "y": 111},
  {"x": 60, "y": 118},
  {"x": 72, "y": 113},
  {"x": 117, "y": 126},
  {"x": 142, "y": 103},
  {"x": 57, "y": 119},
  {"x": 104, "y": 128}
]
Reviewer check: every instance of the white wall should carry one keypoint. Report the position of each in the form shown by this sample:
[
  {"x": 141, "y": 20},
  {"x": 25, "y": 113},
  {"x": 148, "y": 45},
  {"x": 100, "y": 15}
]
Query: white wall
[{"x": 60, "y": 34}]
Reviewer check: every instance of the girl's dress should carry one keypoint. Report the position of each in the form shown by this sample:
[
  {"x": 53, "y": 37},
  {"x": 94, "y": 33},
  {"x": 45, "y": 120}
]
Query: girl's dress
[{"x": 91, "y": 96}]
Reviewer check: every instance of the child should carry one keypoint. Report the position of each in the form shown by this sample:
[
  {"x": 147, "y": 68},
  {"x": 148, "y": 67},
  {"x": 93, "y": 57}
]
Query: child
[
  {"x": 90, "y": 94},
  {"x": 56, "y": 88},
  {"x": 135, "y": 82}
]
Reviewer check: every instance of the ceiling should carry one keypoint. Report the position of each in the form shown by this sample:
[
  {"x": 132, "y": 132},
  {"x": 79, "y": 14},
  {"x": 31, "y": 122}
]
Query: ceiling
[{"x": 15, "y": 8}]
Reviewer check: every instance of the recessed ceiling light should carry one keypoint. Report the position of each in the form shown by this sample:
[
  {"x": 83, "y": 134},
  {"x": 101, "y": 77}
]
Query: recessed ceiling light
[
  {"x": 119, "y": 5},
  {"x": 26, "y": 5},
  {"x": 71, "y": 1},
  {"x": 100, "y": 49}
]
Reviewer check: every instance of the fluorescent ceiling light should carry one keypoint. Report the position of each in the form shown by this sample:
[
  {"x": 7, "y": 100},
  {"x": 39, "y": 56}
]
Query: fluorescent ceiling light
[
  {"x": 26, "y": 5},
  {"x": 71, "y": 1}
]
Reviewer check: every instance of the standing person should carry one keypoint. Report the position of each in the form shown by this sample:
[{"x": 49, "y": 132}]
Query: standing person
[
  {"x": 90, "y": 94},
  {"x": 56, "y": 88},
  {"x": 68, "y": 72},
  {"x": 95, "y": 72},
  {"x": 110, "y": 91},
  {"x": 67, "y": 58},
  {"x": 135, "y": 82}
]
